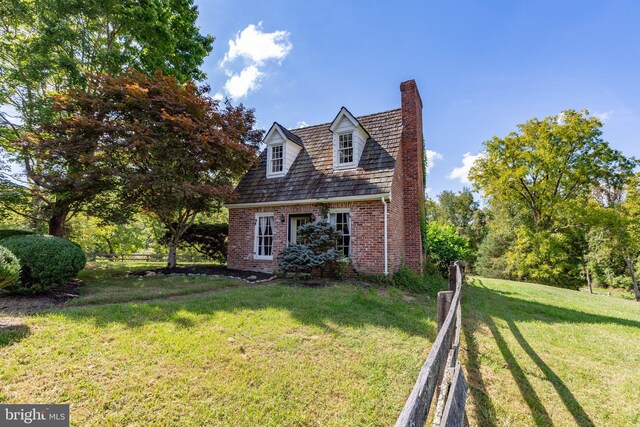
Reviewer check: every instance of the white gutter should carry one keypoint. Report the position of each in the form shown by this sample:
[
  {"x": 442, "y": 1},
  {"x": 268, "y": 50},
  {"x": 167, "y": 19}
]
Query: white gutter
[
  {"x": 386, "y": 256},
  {"x": 308, "y": 201}
]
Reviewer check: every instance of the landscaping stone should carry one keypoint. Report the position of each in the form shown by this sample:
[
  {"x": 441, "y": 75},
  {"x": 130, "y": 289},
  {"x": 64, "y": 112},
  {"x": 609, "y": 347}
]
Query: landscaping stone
[{"x": 206, "y": 270}]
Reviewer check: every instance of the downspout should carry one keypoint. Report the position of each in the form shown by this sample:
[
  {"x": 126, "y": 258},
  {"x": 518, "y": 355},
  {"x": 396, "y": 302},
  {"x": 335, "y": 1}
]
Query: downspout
[{"x": 386, "y": 256}]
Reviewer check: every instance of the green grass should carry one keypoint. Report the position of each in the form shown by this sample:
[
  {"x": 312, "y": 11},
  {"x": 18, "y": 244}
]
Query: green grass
[
  {"x": 273, "y": 355},
  {"x": 537, "y": 355},
  {"x": 106, "y": 282}
]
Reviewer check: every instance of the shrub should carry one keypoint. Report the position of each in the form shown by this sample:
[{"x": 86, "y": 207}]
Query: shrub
[
  {"x": 5, "y": 234},
  {"x": 9, "y": 268},
  {"x": 444, "y": 244},
  {"x": 46, "y": 261},
  {"x": 319, "y": 251},
  {"x": 409, "y": 280}
]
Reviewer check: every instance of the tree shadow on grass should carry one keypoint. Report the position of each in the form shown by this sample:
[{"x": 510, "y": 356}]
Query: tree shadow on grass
[
  {"x": 502, "y": 305},
  {"x": 321, "y": 307},
  {"x": 12, "y": 333}
]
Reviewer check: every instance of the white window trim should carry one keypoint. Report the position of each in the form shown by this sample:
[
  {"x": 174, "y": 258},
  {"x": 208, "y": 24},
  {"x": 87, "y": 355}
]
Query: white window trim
[
  {"x": 354, "y": 155},
  {"x": 270, "y": 173},
  {"x": 255, "y": 237},
  {"x": 345, "y": 210}
]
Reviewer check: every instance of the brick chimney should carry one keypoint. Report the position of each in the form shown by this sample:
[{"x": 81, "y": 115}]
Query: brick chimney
[{"x": 411, "y": 148}]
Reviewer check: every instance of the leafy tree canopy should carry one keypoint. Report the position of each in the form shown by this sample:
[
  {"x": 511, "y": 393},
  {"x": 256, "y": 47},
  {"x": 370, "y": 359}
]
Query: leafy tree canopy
[{"x": 549, "y": 164}]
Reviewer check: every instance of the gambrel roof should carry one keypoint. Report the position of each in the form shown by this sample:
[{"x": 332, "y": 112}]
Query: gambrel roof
[{"x": 312, "y": 175}]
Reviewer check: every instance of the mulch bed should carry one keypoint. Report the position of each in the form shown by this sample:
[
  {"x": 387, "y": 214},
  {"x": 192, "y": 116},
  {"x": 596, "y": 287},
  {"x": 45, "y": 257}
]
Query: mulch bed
[
  {"x": 205, "y": 270},
  {"x": 25, "y": 304}
]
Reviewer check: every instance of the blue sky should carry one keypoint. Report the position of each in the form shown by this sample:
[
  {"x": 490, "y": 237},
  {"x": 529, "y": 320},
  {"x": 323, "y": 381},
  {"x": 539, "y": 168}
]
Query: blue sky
[{"x": 481, "y": 66}]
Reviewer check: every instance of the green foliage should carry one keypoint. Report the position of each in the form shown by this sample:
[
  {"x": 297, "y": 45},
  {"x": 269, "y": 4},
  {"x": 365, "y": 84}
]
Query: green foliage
[
  {"x": 543, "y": 257},
  {"x": 541, "y": 182},
  {"x": 491, "y": 261},
  {"x": 5, "y": 234},
  {"x": 94, "y": 235},
  {"x": 208, "y": 239},
  {"x": 463, "y": 212},
  {"x": 51, "y": 46},
  {"x": 46, "y": 261},
  {"x": 319, "y": 250},
  {"x": 605, "y": 261},
  {"x": 548, "y": 164},
  {"x": 444, "y": 245},
  {"x": 9, "y": 268},
  {"x": 407, "y": 279}
]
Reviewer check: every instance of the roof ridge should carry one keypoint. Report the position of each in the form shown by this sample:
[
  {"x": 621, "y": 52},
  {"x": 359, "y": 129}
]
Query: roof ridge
[{"x": 357, "y": 117}]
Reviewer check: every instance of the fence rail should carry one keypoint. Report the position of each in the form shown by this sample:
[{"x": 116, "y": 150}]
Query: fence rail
[
  {"x": 95, "y": 256},
  {"x": 441, "y": 372}
]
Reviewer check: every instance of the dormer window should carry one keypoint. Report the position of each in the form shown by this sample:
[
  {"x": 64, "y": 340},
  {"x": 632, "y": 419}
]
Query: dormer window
[
  {"x": 276, "y": 159},
  {"x": 282, "y": 149},
  {"x": 349, "y": 139},
  {"x": 345, "y": 148}
]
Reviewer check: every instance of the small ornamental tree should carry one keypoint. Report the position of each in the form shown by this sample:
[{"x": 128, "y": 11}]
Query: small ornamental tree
[
  {"x": 176, "y": 152},
  {"x": 318, "y": 250}
]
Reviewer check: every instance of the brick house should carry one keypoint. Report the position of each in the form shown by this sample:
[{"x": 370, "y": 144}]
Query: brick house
[{"x": 365, "y": 173}]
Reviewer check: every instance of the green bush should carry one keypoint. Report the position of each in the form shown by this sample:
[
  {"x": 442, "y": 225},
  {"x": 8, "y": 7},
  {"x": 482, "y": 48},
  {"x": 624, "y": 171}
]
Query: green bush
[
  {"x": 46, "y": 261},
  {"x": 318, "y": 251},
  {"x": 5, "y": 234},
  {"x": 9, "y": 268},
  {"x": 444, "y": 245},
  {"x": 429, "y": 283}
]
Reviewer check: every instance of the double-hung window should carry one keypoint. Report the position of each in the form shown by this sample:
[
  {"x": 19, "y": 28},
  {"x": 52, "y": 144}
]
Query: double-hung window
[
  {"x": 341, "y": 221},
  {"x": 345, "y": 148},
  {"x": 277, "y": 158},
  {"x": 264, "y": 236}
]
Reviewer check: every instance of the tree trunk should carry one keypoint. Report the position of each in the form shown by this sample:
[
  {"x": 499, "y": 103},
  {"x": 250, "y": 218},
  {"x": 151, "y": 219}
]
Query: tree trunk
[
  {"x": 586, "y": 272},
  {"x": 57, "y": 224},
  {"x": 634, "y": 279},
  {"x": 172, "y": 259}
]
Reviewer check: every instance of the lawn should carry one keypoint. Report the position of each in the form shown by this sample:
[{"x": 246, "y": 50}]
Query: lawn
[
  {"x": 107, "y": 282},
  {"x": 542, "y": 356},
  {"x": 266, "y": 355}
]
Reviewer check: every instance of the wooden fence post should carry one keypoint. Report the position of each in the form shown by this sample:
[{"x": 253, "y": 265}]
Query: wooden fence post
[
  {"x": 444, "y": 303},
  {"x": 452, "y": 276}
]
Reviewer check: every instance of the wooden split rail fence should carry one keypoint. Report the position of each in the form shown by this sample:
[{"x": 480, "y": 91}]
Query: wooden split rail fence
[{"x": 441, "y": 374}]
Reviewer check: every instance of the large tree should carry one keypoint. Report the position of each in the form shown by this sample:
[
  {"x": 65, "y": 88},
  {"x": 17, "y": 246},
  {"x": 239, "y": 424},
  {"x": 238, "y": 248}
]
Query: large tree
[
  {"x": 174, "y": 150},
  {"x": 50, "y": 46},
  {"x": 549, "y": 163},
  {"x": 543, "y": 176}
]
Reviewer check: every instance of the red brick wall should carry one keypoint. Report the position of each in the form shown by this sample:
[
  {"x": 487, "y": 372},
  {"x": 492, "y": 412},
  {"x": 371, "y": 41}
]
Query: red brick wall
[
  {"x": 412, "y": 172},
  {"x": 367, "y": 231},
  {"x": 396, "y": 220}
]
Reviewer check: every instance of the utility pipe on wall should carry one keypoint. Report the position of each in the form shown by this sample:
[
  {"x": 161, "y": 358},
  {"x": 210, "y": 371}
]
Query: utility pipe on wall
[{"x": 386, "y": 256}]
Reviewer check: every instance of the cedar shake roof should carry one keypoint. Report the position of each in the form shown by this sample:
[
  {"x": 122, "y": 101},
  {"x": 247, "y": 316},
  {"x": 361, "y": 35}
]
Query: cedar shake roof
[
  {"x": 311, "y": 176},
  {"x": 290, "y": 135}
]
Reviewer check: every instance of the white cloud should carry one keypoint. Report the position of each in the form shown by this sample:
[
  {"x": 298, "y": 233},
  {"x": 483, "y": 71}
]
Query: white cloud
[
  {"x": 432, "y": 157},
  {"x": 257, "y": 46},
  {"x": 239, "y": 85},
  {"x": 218, "y": 96},
  {"x": 301, "y": 124},
  {"x": 427, "y": 191},
  {"x": 462, "y": 172},
  {"x": 603, "y": 117}
]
